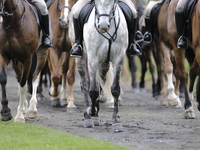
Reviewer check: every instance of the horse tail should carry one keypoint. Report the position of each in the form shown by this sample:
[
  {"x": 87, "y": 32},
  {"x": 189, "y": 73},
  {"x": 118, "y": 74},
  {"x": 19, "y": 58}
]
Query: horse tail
[{"x": 106, "y": 84}]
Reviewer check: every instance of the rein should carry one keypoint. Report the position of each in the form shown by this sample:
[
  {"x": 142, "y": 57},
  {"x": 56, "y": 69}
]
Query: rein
[
  {"x": 9, "y": 27},
  {"x": 114, "y": 36}
]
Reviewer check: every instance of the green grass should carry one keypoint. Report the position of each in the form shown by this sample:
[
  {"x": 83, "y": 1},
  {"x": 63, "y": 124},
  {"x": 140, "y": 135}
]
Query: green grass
[{"x": 21, "y": 136}]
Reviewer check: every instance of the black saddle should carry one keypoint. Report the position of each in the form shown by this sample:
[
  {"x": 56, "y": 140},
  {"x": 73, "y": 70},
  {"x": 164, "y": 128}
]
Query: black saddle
[
  {"x": 48, "y": 3},
  {"x": 188, "y": 10},
  {"x": 154, "y": 18},
  {"x": 85, "y": 13}
]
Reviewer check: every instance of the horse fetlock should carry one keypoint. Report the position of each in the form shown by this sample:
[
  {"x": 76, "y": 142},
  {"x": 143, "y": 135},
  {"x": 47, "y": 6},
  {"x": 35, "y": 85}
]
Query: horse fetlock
[{"x": 71, "y": 104}]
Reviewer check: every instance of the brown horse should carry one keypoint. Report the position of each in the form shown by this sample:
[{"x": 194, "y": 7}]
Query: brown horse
[
  {"x": 163, "y": 53},
  {"x": 60, "y": 62},
  {"x": 180, "y": 53},
  {"x": 18, "y": 42}
]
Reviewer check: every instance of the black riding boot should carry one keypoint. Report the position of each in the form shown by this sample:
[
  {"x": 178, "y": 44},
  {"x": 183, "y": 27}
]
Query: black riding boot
[
  {"x": 46, "y": 41},
  {"x": 77, "y": 50},
  {"x": 133, "y": 49},
  {"x": 180, "y": 21},
  {"x": 147, "y": 34}
]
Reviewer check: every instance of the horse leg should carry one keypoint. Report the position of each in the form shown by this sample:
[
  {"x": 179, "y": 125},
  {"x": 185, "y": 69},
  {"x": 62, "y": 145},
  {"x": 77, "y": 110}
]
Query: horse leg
[
  {"x": 172, "y": 98},
  {"x": 193, "y": 75},
  {"x": 71, "y": 80},
  {"x": 160, "y": 67},
  {"x": 23, "y": 103},
  {"x": 5, "y": 111},
  {"x": 41, "y": 60},
  {"x": 81, "y": 65},
  {"x": 144, "y": 69},
  {"x": 180, "y": 61},
  {"x": 133, "y": 69},
  {"x": 115, "y": 89},
  {"x": 107, "y": 87},
  {"x": 151, "y": 68},
  {"x": 55, "y": 76},
  {"x": 94, "y": 91}
]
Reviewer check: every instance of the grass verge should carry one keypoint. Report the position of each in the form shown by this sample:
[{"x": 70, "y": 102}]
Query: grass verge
[{"x": 14, "y": 136}]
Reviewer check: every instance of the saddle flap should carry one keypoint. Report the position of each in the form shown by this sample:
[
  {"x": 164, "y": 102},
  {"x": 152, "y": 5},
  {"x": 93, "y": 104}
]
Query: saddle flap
[
  {"x": 85, "y": 13},
  {"x": 154, "y": 17},
  {"x": 48, "y": 3}
]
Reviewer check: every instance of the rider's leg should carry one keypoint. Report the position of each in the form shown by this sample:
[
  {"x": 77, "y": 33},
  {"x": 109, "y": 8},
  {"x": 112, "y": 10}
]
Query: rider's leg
[
  {"x": 180, "y": 21},
  {"x": 77, "y": 50},
  {"x": 46, "y": 41},
  {"x": 128, "y": 6}
]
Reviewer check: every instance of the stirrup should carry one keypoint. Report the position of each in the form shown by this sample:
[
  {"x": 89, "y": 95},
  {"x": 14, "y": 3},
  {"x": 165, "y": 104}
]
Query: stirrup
[
  {"x": 139, "y": 40},
  {"x": 78, "y": 56},
  {"x": 148, "y": 42},
  {"x": 182, "y": 37}
]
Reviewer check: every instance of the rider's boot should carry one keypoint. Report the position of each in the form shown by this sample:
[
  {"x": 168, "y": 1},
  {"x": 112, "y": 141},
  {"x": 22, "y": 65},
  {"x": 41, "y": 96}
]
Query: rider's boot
[
  {"x": 147, "y": 34},
  {"x": 179, "y": 19},
  {"x": 77, "y": 50},
  {"x": 46, "y": 41},
  {"x": 134, "y": 48}
]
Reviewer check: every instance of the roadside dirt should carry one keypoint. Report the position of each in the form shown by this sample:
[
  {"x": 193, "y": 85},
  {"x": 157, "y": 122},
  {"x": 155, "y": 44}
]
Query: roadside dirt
[{"x": 147, "y": 125}]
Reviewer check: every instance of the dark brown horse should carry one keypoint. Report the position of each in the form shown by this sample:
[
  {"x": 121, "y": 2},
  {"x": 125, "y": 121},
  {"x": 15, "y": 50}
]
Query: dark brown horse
[
  {"x": 180, "y": 53},
  {"x": 164, "y": 55},
  {"x": 19, "y": 39},
  {"x": 60, "y": 62}
]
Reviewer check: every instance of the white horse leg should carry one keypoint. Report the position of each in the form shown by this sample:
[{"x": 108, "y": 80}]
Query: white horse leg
[
  {"x": 32, "y": 110},
  {"x": 23, "y": 104},
  {"x": 172, "y": 98},
  {"x": 63, "y": 90}
]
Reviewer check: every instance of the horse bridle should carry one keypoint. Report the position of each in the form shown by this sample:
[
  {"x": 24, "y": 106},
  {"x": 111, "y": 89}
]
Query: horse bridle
[
  {"x": 4, "y": 13},
  {"x": 111, "y": 15},
  {"x": 62, "y": 7}
]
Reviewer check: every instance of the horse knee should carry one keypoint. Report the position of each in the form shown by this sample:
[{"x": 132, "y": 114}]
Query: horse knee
[{"x": 3, "y": 76}]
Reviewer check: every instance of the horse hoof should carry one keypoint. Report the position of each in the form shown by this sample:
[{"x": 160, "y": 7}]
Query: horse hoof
[
  {"x": 19, "y": 120},
  {"x": 32, "y": 114},
  {"x": 110, "y": 105},
  {"x": 96, "y": 121},
  {"x": 6, "y": 116},
  {"x": 142, "y": 90},
  {"x": 173, "y": 102},
  {"x": 163, "y": 103},
  {"x": 136, "y": 91},
  {"x": 57, "y": 103},
  {"x": 158, "y": 97},
  {"x": 88, "y": 123},
  {"x": 71, "y": 109},
  {"x": 189, "y": 113},
  {"x": 117, "y": 128},
  {"x": 64, "y": 102}
]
